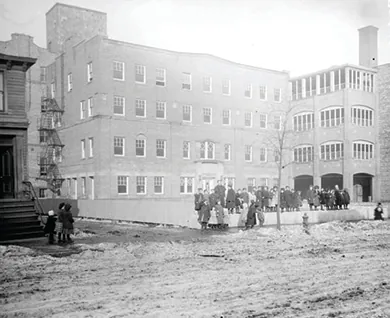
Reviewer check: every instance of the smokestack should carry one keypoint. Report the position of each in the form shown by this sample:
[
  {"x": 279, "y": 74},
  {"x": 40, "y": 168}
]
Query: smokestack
[{"x": 368, "y": 46}]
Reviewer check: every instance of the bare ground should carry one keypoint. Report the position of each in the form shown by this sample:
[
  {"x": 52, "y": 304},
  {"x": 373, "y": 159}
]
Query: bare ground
[{"x": 340, "y": 270}]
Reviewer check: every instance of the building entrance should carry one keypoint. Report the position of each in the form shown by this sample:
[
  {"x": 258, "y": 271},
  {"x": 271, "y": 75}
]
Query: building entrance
[{"x": 7, "y": 176}]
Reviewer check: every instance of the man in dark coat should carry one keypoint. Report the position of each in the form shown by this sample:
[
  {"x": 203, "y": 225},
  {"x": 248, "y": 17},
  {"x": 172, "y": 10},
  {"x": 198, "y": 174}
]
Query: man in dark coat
[
  {"x": 251, "y": 217},
  {"x": 259, "y": 196},
  {"x": 347, "y": 199},
  {"x": 230, "y": 199},
  {"x": 310, "y": 197},
  {"x": 289, "y": 198},
  {"x": 220, "y": 191},
  {"x": 338, "y": 197},
  {"x": 213, "y": 198},
  {"x": 378, "y": 212},
  {"x": 50, "y": 226},
  {"x": 198, "y": 199}
]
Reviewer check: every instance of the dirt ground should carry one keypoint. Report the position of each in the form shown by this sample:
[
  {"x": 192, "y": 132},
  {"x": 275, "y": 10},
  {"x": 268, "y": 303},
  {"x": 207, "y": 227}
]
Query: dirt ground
[{"x": 111, "y": 270}]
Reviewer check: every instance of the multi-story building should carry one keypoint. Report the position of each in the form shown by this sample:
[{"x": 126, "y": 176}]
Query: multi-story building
[{"x": 334, "y": 118}]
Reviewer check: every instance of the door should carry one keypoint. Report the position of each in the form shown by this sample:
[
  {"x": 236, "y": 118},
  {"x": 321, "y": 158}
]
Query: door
[
  {"x": 7, "y": 178},
  {"x": 208, "y": 184}
]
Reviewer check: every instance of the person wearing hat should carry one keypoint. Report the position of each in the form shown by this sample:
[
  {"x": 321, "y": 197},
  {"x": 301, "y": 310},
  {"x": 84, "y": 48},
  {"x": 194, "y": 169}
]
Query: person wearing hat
[
  {"x": 50, "y": 226},
  {"x": 251, "y": 216},
  {"x": 378, "y": 212}
]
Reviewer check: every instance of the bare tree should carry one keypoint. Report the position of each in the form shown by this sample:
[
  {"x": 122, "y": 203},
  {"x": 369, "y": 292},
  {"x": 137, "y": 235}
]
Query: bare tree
[{"x": 281, "y": 139}]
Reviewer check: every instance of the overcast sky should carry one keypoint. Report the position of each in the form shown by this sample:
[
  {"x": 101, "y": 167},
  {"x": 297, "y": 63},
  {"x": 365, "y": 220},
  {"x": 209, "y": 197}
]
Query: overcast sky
[{"x": 301, "y": 36}]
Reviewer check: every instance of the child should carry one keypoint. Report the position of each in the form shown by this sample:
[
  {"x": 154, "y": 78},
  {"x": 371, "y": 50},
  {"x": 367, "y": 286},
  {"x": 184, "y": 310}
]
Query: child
[
  {"x": 213, "y": 222},
  {"x": 50, "y": 226},
  {"x": 378, "y": 212},
  {"x": 67, "y": 223},
  {"x": 59, "y": 221}
]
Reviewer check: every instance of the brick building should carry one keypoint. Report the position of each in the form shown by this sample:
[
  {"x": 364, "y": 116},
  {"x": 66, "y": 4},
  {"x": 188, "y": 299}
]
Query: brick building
[{"x": 335, "y": 116}]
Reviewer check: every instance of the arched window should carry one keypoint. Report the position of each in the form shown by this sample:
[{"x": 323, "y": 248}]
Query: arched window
[
  {"x": 363, "y": 150},
  {"x": 362, "y": 116},
  {"x": 332, "y": 116},
  {"x": 332, "y": 150},
  {"x": 303, "y": 121},
  {"x": 303, "y": 153}
]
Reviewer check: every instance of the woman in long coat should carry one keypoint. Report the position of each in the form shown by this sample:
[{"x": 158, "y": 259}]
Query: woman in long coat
[
  {"x": 230, "y": 199},
  {"x": 251, "y": 216}
]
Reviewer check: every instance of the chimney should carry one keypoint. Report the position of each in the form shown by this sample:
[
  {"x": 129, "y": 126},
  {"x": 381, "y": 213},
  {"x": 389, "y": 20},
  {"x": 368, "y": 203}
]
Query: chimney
[{"x": 368, "y": 46}]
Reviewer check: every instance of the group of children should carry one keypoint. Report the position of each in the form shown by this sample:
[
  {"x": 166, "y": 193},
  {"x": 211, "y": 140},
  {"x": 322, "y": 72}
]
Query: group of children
[
  {"x": 334, "y": 199},
  {"x": 63, "y": 225}
]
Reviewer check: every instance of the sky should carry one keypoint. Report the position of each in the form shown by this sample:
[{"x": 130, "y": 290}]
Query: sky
[{"x": 300, "y": 36}]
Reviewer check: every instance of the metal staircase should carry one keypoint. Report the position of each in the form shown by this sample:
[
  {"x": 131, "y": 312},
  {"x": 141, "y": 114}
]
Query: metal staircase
[{"x": 51, "y": 155}]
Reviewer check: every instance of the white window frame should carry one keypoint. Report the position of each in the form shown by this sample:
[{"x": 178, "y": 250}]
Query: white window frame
[
  {"x": 261, "y": 87},
  {"x": 299, "y": 118},
  {"x": 123, "y": 146},
  {"x": 363, "y": 119},
  {"x": 251, "y": 119},
  {"x": 266, "y": 120},
  {"x": 250, "y": 86},
  {"x": 83, "y": 187},
  {"x": 230, "y": 117},
  {"x": 119, "y": 98},
  {"x": 230, "y": 152},
  {"x": 365, "y": 144},
  {"x": 330, "y": 143},
  {"x": 210, "y": 84},
  {"x": 186, "y": 185},
  {"x": 82, "y": 109},
  {"x": 306, "y": 158},
  {"x": 280, "y": 122},
  {"x": 188, "y": 143},
  {"x": 90, "y": 144},
  {"x": 82, "y": 148},
  {"x": 70, "y": 82},
  {"x": 139, "y": 67},
  {"x": 229, "y": 86},
  {"x": 228, "y": 180},
  {"x": 145, "y": 185},
  {"x": 53, "y": 89},
  {"x": 329, "y": 109},
  {"x": 90, "y": 106},
  {"x": 265, "y": 154},
  {"x": 250, "y": 153},
  {"x": 164, "y": 81},
  {"x": 185, "y": 76},
  {"x": 164, "y": 143},
  {"x": 92, "y": 182},
  {"x": 190, "y": 108},
  {"x": 89, "y": 72},
  {"x": 211, "y": 115},
  {"x": 144, "y": 148},
  {"x": 280, "y": 95},
  {"x": 162, "y": 185},
  {"x": 119, "y": 183},
  {"x": 144, "y": 103},
  {"x": 159, "y": 103},
  {"x": 115, "y": 65},
  {"x": 206, "y": 146}
]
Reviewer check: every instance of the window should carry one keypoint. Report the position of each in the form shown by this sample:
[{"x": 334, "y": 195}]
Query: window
[
  {"x": 158, "y": 185},
  {"x": 263, "y": 92},
  {"x": 2, "y": 92},
  {"x": 89, "y": 72},
  {"x": 332, "y": 151},
  {"x": 277, "y": 122},
  {"x": 276, "y": 155},
  {"x": 70, "y": 82},
  {"x": 362, "y": 116},
  {"x": 122, "y": 184},
  {"x": 82, "y": 109},
  {"x": 248, "y": 153},
  {"x": 141, "y": 185},
  {"x": 251, "y": 183},
  {"x": 119, "y": 146},
  {"x": 226, "y": 87},
  {"x": 248, "y": 91},
  {"x": 207, "y": 150},
  {"x": 42, "y": 166},
  {"x": 140, "y": 108},
  {"x": 43, "y": 136},
  {"x": 118, "y": 71},
  {"x": 186, "y": 150},
  {"x": 226, "y": 117},
  {"x": 303, "y": 121},
  {"x": 43, "y": 76},
  {"x": 207, "y": 84},
  {"x": 263, "y": 154},
  {"x": 332, "y": 117},
  {"x": 140, "y": 74},
  {"x": 53, "y": 90},
  {"x": 90, "y": 106},
  {"x": 119, "y": 105},
  {"x": 75, "y": 193},
  {"x": 160, "y": 77},
  {"x": 186, "y": 185},
  {"x": 263, "y": 182},
  {"x": 160, "y": 148},
  {"x": 42, "y": 192},
  {"x": 83, "y": 149},
  {"x": 186, "y": 81},
  {"x": 90, "y": 142},
  {"x": 92, "y": 192},
  {"x": 248, "y": 119},
  {"x": 227, "y": 152},
  {"x": 58, "y": 154},
  {"x": 277, "y": 95},
  {"x": 229, "y": 181},
  {"x": 83, "y": 186},
  {"x": 207, "y": 115},
  {"x": 263, "y": 121},
  {"x": 187, "y": 113},
  {"x": 363, "y": 150},
  {"x": 160, "y": 110},
  {"x": 303, "y": 153},
  {"x": 140, "y": 148}
]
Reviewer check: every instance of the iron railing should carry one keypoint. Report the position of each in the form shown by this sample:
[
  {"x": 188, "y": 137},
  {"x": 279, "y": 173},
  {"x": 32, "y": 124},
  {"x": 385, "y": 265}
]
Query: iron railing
[{"x": 33, "y": 196}]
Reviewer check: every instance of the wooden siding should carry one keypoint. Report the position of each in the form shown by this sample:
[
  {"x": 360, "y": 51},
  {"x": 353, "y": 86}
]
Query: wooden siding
[{"x": 15, "y": 90}]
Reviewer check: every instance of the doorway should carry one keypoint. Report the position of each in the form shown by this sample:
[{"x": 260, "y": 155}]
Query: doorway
[
  {"x": 302, "y": 183},
  {"x": 208, "y": 184},
  {"x": 7, "y": 176}
]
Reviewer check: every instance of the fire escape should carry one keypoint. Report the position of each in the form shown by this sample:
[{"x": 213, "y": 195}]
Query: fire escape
[{"x": 51, "y": 152}]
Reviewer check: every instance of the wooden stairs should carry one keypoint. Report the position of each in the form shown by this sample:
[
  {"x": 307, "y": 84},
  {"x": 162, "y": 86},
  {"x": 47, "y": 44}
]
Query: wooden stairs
[{"x": 19, "y": 220}]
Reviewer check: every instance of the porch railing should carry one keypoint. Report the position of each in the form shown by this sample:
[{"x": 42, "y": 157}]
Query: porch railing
[{"x": 33, "y": 196}]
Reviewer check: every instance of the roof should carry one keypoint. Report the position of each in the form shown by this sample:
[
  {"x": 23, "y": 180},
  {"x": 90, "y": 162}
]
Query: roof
[
  {"x": 27, "y": 62},
  {"x": 73, "y": 7},
  {"x": 206, "y": 55}
]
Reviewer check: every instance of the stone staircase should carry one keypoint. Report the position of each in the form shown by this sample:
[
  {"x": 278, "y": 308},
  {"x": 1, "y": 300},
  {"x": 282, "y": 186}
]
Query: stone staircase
[{"x": 19, "y": 220}]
